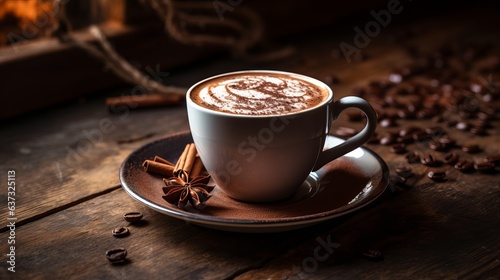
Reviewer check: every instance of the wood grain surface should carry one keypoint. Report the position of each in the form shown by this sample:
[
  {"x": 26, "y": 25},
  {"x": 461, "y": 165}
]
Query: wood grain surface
[{"x": 68, "y": 196}]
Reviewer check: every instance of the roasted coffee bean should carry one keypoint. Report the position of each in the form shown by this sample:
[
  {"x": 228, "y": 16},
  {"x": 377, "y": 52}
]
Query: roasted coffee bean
[
  {"x": 373, "y": 255},
  {"x": 483, "y": 116},
  {"x": 407, "y": 139},
  {"x": 447, "y": 141},
  {"x": 406, "y": 114},
  {"x": 413, "y": 157},
  {"x": 495, "y": 159},
  {"x": 387, "y": 139},
  {"x": 462, "y": 126},
  {"x": 429, "y": 159},
  {"x": 388, "y": 122},
  {"x": 398, "y": 180},
  {"x": 120, "y": 232},
  {"x": 398, "y": 148},
  {"x": 436, "y": 146},
  {"x": 345, "y": 132},
  {"x": 482, "y": 123},
  {"x": 391, "y": 101},
  {"x": 133, "y": 217},
  {"x": 420, "y": 136},
  {"x": 437, "y": 175},
  {"x": 117, "y": 255},
  {"x": 471, "y": 148},
  {"x": 438, "y": 119},
  {"x": 404, "y": 171},
  {"x": 426, "y": 113},
  {"x": 488, "y": 110},
  {"x": 464, "y": 166},
  {"x": 435, "y": 131},
  {"x": 484, "y": 167},
  {"x": 450, "y": 122},
  {"x": 408, "y": 131},
  {"x": 395, "y": 77},
  {"x": 450, "y": 158},
  {"x": 478, "y": 130}
]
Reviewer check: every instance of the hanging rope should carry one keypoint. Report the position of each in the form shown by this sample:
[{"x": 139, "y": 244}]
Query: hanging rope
[{"x": 193, "y": 23}]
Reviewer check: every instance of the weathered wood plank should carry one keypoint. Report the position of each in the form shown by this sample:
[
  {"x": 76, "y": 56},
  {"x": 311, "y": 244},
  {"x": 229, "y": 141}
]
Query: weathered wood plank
[
  {"x": 74, "y": 241},
  {"x": 75, "y": 152},
  {"x": 432, "y": 231}
]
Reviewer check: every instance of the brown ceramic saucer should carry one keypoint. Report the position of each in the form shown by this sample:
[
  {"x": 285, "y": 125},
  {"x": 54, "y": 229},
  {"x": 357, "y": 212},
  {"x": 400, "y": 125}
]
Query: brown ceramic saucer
[{"x": 340, "y": 187}]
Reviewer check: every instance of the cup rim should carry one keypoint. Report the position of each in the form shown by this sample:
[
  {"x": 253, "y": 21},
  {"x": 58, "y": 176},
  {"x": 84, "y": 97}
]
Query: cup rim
[{"x": 312, "y": 80}]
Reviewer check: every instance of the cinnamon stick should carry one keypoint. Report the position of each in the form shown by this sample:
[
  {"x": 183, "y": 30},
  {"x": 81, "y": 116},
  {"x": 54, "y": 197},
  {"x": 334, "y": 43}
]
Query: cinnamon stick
[
  {"x": 162, "y": 160},
  {"x": 197, "y": 167},
  {"x": 158, "y": 167},
  {"x": 186, "y": 160},
  {"x": 142, "y": 101}
]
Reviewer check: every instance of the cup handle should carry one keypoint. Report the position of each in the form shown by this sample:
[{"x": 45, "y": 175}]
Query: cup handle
[{"x": 357, "y": 140}]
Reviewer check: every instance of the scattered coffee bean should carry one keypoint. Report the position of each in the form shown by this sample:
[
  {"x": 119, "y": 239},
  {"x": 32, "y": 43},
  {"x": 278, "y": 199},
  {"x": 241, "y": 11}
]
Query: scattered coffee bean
[
  {"x": 398, "y": 148},
  {"x": 450, "y": 122},
  {"x": 413, "y": 157},
  {"x": 395, "y": 78},
  {"x": 437, "y": 146},
  {"x": 133, "y": 217},
  {"x": 471, "y": 148},
  {"x": 450, "y": 158},
  {"x": 429, "y": 159},
  {"x": 407, "y": 139},
  {"x": 404, "y": 171},
  {"x": 462, "y": 126},
  {"x": 438, "y": 176},
  {"x": 120, "y": 232},
  {"x": 447, "y": 141},
  {"x": 406, "y": 114},
  {"x": 484, "y": 167},
  {"x": 435, "y": 131},
  {"x": 398, "y": 180},
  {"x": 478, "y": 130},
  {"x": 408, "y": 131},
  {"x": 117, "y": 255},
  {"x": 373, "y": 255},
  {"x": 387, "y": 139},
  {"x": 483, "y": 116},
  {"x": 388, "y": 122},
  {"x": 482, "y": 123},
  {"x": 495, "y": 159},
  {"x": 345, "y": 132},
  {"x": 420, "y": 136},
  {"x": 425, "y": 113},
  {"x": 464, "y": 166}
]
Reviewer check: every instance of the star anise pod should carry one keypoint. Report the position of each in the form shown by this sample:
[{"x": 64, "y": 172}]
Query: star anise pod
[{"x": 181, "y": 191}]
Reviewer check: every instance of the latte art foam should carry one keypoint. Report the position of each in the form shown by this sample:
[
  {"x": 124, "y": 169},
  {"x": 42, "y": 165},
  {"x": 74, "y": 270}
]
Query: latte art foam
[{"x": 258, "y": 94}]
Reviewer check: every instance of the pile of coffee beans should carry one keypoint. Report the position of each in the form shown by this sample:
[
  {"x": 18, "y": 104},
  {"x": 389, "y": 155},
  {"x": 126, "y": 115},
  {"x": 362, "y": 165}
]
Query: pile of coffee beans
[{"x": 450, "y": 89}]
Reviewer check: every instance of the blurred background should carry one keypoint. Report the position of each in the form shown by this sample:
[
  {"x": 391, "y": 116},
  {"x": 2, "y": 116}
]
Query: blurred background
[{"x": 50, "y": 55}]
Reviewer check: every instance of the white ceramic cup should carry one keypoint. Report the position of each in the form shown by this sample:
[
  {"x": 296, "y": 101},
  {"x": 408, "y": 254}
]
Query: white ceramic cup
[{"x": 267, "y": 157}]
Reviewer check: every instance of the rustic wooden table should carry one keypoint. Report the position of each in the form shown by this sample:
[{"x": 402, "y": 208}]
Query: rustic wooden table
[{"x": 68, "y": 197}]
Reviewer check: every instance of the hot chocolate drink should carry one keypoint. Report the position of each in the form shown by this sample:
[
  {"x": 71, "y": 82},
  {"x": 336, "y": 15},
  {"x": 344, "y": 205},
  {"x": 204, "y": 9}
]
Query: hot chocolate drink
[{"x": 256, "y": 93}]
